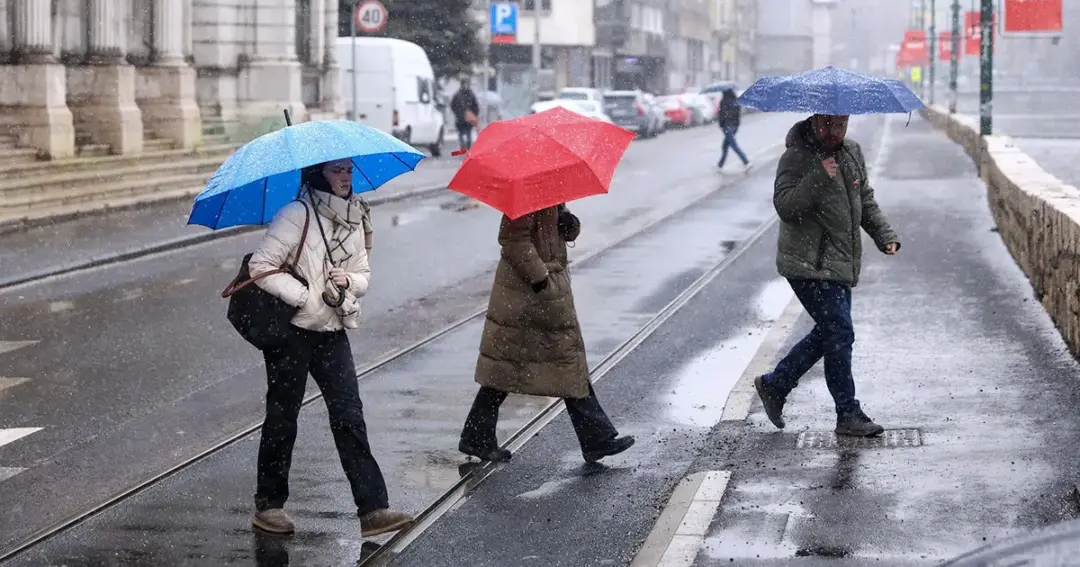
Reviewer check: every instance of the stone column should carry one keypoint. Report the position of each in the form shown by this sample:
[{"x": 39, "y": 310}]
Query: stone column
[
  {"x": 32, "y": 88},
  {"x": 166, "y": 89},
  {"x": 102, "y": 94},
  {"x": 271, "y": 81},
  {"x": 332, "y": 102}
]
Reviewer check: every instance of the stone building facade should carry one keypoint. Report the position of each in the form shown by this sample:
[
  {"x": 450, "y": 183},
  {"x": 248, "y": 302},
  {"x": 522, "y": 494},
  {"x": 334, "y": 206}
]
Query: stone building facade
[{"x": 75, "y": 72}]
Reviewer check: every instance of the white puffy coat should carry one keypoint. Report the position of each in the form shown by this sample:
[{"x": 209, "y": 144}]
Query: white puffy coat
[{"x": 278, "y": 247}]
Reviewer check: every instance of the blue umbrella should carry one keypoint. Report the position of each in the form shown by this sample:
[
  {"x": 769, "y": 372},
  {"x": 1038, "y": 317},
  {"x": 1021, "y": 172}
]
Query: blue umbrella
[
  {"x": 264, "y": 175},
  {"x": 830, "y": 91}
]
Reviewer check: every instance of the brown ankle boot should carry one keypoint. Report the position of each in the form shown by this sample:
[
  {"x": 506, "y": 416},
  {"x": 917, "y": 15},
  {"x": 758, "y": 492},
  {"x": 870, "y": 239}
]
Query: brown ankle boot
[{"x": 383, "y": 521}]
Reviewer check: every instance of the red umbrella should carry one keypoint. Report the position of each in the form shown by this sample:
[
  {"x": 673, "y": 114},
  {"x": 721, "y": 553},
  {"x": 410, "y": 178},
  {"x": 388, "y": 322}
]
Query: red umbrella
[{"x": 539, "y": 160}]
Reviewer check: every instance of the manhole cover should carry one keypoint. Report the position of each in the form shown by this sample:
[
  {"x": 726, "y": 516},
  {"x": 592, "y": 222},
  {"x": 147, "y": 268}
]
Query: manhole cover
[{"x": 829, "y": 440}]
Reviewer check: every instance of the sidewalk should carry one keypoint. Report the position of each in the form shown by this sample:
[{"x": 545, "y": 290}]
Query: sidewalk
[
  {"x": 47, "y": 250},
  {"x": 953, "y": 356},
  {"x": 959, "y": 362}
]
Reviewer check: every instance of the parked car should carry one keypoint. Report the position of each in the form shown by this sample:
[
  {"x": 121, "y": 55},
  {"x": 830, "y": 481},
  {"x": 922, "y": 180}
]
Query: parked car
[
  {"x": 630, "y": 110},
  {"x": 589, "y": 108},
  {"x": 676, "y": 110},
  {"x": 657, "y": 111},
  {"x": 582, "y": 93}
]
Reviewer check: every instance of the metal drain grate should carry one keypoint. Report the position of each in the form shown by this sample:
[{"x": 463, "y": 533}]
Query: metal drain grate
[{"x": 829, "y": 440}]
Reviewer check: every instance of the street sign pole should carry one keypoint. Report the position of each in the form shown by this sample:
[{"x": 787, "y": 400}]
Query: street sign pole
[
  {"x": 487, "y": 48},
  {"x": 352, "y": 75},
  {"x": 933, "y": 48},
  {"x": 954, "y": 59},
  {"x": 986, "y": 66},
  {"x": 536, "y": 50}
]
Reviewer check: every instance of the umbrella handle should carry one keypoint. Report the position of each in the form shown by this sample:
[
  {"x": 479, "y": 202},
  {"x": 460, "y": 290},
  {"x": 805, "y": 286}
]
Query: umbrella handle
[
  {"x": 288, "y": 119},
  {"x": 330, "y": 301}
]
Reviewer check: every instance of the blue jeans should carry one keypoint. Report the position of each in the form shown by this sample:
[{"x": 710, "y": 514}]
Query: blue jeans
[
  {"x": 832, "y": 337},
  {"x": 729, "y": 142}
]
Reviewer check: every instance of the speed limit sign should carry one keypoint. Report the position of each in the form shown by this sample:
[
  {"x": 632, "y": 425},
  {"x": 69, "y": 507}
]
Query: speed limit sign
[{"x": 370, "y": 16}]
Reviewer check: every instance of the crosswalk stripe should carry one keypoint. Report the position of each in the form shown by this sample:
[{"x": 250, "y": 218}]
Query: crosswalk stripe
[
  {"x": 16, "y": 433},
  {"x": 9, "y": 346},
  {"x": 6, "y": 382},
  {"x": 8, "y": 472}
]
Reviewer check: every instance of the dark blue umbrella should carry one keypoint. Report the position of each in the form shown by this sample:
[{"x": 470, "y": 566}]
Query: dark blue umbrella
[{"x": 830, "y": 91}]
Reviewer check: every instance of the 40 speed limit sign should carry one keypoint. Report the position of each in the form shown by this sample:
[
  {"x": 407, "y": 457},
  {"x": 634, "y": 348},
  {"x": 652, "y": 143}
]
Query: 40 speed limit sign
[{"x": 370, "y": 16}]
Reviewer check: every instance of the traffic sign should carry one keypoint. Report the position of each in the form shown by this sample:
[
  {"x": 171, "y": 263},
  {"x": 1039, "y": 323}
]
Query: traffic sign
[
  {"x": 504, "y": 19},
  {"x": 370, "y": 16}
]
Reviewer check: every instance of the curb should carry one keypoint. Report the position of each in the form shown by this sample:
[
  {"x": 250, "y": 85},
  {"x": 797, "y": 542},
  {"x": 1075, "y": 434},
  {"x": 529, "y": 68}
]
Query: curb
[{"x": 184, "y": 242}]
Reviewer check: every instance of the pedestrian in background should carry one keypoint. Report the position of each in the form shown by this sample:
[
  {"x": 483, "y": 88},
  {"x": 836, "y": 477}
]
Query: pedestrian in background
[
  {"x": 532, "y": 341},
  {"x": 334, "y": 264},
  {"x": 729, "y": 118},
  {"x": 823, "y": 198},
  {"x": 466, "y": 109}
]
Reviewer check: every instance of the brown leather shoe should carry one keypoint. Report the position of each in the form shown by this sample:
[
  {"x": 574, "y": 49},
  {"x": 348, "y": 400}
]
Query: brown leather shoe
[
  {"x": 274, "y": 521},
  {"x": 384, "y": 521}
]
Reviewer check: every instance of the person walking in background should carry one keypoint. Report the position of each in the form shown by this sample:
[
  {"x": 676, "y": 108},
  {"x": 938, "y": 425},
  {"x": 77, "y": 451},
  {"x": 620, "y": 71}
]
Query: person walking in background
[
  {"x": 729, "y": 117},
  {"x": 466, "y": 109},
  {"x": 823, "y": 197},
  {"x": 532, "y": 341},
  {"x": 333, "y": 262}
]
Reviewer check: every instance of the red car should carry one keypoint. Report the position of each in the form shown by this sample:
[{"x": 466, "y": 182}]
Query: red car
[{"x": 676, "y": 110}]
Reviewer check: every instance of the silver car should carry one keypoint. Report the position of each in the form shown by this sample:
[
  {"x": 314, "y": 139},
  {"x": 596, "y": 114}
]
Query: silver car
[{"x": 630, "y": 110}]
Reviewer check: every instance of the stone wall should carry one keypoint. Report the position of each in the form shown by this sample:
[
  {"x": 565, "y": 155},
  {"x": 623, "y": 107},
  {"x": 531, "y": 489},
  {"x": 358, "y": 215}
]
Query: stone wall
[{"x": 1037, "y": 215}]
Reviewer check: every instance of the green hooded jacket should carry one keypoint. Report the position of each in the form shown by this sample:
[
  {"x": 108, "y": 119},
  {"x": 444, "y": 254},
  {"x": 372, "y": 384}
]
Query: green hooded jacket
[{"x": 821, "y": 216}]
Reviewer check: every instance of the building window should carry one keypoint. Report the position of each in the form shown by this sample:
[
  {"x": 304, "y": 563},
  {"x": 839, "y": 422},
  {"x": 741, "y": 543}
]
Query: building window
[{"x": 530, "y": 5}]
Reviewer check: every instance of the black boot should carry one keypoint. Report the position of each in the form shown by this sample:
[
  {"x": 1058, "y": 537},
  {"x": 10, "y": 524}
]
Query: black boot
[
  {"x": 609, "y": 448},
  {"x": 484, "y": 451},
  {"x": 773, "y": 404},
  {"x": 856, "y": 424}
]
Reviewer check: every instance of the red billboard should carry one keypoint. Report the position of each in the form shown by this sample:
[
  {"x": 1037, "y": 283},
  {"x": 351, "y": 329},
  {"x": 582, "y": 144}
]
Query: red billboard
[
  {"x": 945, "y": 46},
  {"x": 914, "y": 50},
  {"x": 1033, "y": 16},
  {"x": 973, "y": 32}
]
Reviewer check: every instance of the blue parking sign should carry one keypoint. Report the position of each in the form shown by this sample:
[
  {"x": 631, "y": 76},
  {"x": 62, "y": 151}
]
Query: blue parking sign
[{"x": 504, "y": 18}]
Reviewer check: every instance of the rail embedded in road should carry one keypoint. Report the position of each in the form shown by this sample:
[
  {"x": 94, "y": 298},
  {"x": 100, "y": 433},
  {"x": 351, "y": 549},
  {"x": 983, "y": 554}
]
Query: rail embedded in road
[{"x": 38, "y": 538}]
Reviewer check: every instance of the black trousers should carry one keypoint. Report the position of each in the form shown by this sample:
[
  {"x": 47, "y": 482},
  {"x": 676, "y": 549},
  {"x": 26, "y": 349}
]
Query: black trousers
[
  {"x": 328, "y": 357},
  {"x": 591, "y": 423}
]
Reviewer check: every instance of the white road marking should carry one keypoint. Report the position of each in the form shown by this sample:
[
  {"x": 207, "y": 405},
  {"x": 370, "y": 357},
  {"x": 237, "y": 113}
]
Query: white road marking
[
  {"x": 674, "y": 544},
  {"x": 16, "y": 433},
  {"x": 883, "y": 148},
  {"x": 10, "y": 346},
  {"x": 58, "y": 306},
  {"x": 8, "y": 472},
  {"x": 6, "y": 383}
]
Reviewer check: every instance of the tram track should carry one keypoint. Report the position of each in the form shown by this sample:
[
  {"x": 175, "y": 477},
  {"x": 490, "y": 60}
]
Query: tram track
[{"x": 437, "y": 509}]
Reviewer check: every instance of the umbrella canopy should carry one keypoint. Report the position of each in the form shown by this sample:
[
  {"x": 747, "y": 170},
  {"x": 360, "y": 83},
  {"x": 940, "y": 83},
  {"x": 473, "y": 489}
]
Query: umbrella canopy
[
  {"x": 539, "y": 160},
  {"x": 830, "y": 91},
  {"x": 264, "y": 175}
]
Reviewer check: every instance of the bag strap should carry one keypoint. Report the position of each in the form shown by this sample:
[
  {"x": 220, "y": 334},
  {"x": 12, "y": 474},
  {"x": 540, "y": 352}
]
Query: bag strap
[{"x": 236, "y": 285}]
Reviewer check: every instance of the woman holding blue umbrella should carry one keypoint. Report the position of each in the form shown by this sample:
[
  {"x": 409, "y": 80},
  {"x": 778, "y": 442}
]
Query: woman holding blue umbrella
[
  {"x": 334, "y": 264},
  {"x": 299, "y": 291}
]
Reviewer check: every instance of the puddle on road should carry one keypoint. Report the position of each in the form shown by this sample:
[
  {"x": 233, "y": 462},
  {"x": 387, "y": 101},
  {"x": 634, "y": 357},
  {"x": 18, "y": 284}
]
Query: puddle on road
[
  {"x": 422, "y": 212},
  {"x": 702, "y": 386}
]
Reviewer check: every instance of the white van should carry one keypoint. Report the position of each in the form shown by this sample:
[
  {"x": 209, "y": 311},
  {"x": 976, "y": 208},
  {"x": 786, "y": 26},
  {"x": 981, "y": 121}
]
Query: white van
[{"x": 396, "y": 89}]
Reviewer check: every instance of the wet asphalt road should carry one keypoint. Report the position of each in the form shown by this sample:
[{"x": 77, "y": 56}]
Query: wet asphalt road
[
  {"x": 415, "y": 407},
  {"x": 136, "y": 369},
  {"x": 949, "y": 341}
]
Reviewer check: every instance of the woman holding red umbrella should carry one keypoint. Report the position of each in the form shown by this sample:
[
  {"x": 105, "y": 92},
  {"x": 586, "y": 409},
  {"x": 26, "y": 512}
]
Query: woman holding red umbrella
[
  {"x": 528, "y": 168},
  {"x": 532, "y": 341}
]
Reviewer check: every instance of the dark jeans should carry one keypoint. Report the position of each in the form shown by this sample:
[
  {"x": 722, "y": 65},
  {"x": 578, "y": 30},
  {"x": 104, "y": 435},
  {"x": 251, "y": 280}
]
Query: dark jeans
[
  {"x": 591, "y": 423},
  {"x": 328, "y": 357},
  {"x": 729, "y": 142},
  {"x": 464, "y": 135},
  {"x": 832, "y": 337}
]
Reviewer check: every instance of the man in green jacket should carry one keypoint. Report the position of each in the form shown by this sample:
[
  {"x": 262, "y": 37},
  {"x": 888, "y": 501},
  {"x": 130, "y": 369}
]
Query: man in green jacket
[{"x": 823, "y": 198}]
